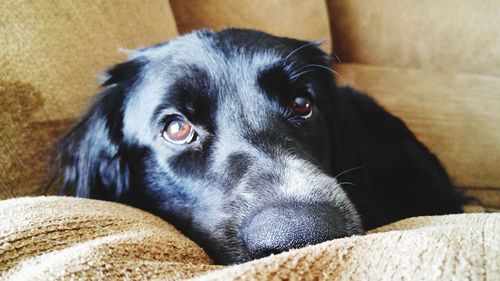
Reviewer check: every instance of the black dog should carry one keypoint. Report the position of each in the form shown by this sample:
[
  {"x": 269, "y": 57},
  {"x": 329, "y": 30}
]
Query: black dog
[{"x": 243, "y": 142}]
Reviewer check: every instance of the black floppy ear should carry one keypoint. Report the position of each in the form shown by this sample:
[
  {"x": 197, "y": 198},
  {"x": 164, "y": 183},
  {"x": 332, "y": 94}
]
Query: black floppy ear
[{"x": 90, "y": 160}]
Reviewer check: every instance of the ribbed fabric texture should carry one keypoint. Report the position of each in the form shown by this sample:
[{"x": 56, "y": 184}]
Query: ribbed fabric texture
[
  {"x": 55, "y": 238},
  {"x": 48, "y": 238}
]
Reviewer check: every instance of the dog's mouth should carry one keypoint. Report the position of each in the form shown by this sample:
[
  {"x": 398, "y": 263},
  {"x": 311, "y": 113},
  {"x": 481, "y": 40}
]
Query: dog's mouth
[{"x": 278, "y": 229}]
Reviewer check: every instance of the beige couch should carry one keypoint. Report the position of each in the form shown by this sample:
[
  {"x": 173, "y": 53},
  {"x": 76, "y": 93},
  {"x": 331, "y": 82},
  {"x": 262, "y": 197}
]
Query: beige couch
[{"x": 436, "y": 64}]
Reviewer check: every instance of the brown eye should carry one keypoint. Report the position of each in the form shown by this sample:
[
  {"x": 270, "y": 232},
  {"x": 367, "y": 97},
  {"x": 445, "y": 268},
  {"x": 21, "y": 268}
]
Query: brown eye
[
  {"x": 178, "y": 130},
  {"x": 302, "y": 106}
]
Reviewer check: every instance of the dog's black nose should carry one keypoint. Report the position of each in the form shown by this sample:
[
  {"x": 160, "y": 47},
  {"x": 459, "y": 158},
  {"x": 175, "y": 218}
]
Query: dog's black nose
[{"x": 277, "y": 229}]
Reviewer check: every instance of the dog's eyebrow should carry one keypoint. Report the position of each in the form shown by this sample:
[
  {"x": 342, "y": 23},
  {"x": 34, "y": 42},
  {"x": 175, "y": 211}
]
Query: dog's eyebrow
[
  {"x": 191, "y": 94},
  {"x": 274, "y": 81}
]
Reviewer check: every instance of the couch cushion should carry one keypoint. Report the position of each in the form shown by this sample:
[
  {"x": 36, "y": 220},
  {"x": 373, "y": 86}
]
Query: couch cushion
[
  {"x": 51, "y": 55},
  {"x": 445, "y": 35},
  {"x": 47, "y": 238},
  {"x": 62, "y": 238},
  {"x": 456, "y": 115},
  {"x": 307, "y": 20}
]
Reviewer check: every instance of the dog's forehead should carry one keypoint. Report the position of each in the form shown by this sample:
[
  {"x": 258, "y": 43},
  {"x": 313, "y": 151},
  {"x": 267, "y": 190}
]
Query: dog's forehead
[
  {"x": 213, "y": 52},
  {"x": 232, "y": 67}
]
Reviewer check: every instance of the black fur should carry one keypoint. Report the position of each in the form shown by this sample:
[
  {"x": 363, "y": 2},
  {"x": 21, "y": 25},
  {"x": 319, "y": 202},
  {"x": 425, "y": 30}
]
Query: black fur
[{"x": 235, "y": 87}]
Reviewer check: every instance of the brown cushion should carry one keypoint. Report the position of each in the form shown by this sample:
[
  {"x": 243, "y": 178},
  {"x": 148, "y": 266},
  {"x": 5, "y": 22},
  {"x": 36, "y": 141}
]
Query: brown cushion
[
  {"x": 444, "y": 35},
  {"x": 456, "y": 115},
  {"x": 54, "y": 238},
  {"x": 307, "y": 20},
  {"x": 46, "y": 238},
  {"x": 51, "y": 55}
]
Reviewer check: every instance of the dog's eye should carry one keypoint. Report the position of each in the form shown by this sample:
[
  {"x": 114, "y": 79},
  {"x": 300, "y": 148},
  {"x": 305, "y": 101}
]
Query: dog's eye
[
  {"x": 302, "y": 106},
  {"x": 178, "y": 130}
]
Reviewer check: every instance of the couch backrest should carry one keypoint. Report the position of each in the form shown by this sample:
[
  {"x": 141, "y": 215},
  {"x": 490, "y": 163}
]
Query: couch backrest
[
  {"x": 434, "y": 63},
  {"x": 306, "y": 20},
  {"x": 459, "y": 36},
  {"x": 51, "y": 55}
]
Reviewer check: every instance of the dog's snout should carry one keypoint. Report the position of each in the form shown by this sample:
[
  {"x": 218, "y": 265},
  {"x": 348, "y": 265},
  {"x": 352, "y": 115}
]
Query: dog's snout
[{"x": 278, "y": 229}]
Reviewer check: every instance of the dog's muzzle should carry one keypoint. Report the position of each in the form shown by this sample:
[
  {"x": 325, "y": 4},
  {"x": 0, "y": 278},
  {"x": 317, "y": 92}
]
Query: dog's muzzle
[{"x": 277, "y": 229}]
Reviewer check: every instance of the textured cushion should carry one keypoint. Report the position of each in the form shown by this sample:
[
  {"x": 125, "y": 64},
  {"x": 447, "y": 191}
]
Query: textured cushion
[
  {"x": 307, "y": 20},
  {"x": 51, "y": 238},
  {"x": 456, "y": 115},
  {"x": 61, "y": 237},
  {"x": 51, "y": 54},
  {"x": 445, "y": 35}
]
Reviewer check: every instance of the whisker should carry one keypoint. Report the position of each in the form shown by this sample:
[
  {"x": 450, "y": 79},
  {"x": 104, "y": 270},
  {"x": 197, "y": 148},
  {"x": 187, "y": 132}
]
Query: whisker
[
  {"x": 336, "y": 57},
  {"x": 300, "y": 48},
  {"x": 349, "y": 170},
  {"x": 326, "y": 68},
  {"x": 295, "y": 76},
  {"x": 346, "y": 182}
]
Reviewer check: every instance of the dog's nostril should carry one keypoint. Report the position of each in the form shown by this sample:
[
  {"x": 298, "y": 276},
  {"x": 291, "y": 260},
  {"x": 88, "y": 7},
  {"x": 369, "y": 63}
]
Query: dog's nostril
[{"x": 278, "y": 229}]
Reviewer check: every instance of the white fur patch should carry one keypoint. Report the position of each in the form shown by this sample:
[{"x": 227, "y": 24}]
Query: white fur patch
[{"x": 303, "y": 182}]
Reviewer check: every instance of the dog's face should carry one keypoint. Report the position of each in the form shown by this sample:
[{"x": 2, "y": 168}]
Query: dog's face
[{"x": 227, "y": 135}]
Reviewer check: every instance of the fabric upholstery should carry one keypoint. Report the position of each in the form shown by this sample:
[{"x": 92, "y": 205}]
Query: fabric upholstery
[
  {"x": 447, "y": 35},
  {"x": 306, "y": 20},
  {"x": 435, "y": 64},
  {"x": 52, "y": 53},
  {"x": 49, "y": 238},
  {"x": 54, "y": 238},
  {"x": 455, "y": 114}
]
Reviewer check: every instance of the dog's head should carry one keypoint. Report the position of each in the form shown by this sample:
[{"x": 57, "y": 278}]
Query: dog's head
[{"x": 228, "y": 135}]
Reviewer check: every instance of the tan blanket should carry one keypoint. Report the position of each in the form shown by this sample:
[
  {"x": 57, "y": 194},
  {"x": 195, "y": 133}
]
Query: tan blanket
[{"x": 50, "y": 238}]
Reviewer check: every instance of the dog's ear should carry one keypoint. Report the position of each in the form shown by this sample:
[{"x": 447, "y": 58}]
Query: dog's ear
[{"x": 90, "y": 160}]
